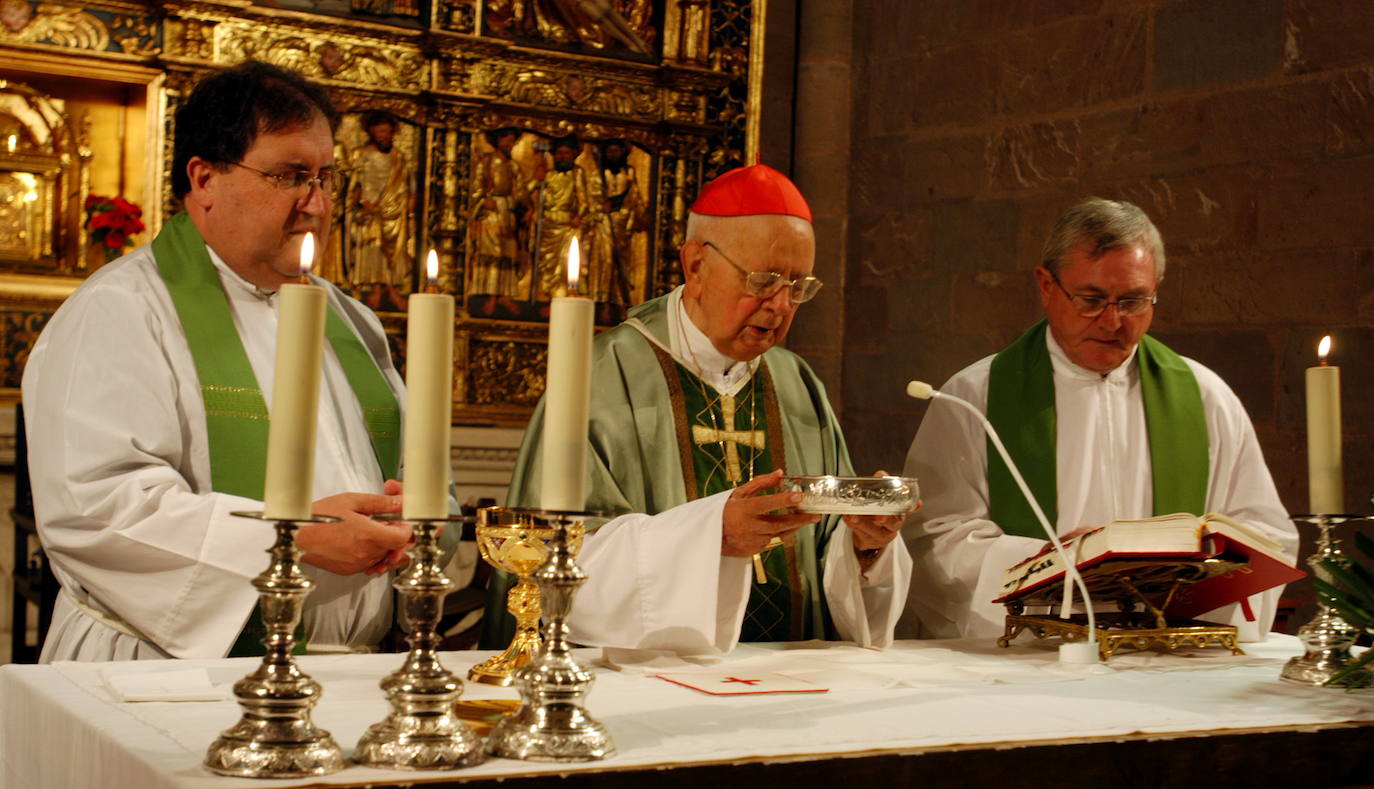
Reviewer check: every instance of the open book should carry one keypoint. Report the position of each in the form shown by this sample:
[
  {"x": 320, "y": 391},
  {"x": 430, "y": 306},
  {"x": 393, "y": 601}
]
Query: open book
[{"x": 1167, "y": 537}]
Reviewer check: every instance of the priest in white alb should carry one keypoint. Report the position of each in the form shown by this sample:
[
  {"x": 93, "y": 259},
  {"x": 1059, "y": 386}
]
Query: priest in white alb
[
  {"x": 1105, "y": 422},
  {"x": 696, "y": 414},
  {"x": 145, "y": 402}
]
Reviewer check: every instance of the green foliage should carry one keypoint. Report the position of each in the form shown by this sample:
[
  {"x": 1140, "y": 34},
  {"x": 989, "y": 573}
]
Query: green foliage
[{"x": 1350, "y": 591}]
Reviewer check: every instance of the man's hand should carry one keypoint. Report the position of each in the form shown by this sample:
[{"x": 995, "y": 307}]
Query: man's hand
[
  {"x": 751, "y": 516},
  {"x": 872, "y": 533},
  {"x": 356, "y": 544}
]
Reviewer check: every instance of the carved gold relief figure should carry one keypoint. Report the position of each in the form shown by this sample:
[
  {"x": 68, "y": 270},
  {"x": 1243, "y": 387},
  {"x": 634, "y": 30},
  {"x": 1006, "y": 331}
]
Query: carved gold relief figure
[
  {"x": 619, "y": 214},
  {"x": 380, "y": 203},
  {"x": 498, "y": 189},
  {"x": 561, "y": 209}
]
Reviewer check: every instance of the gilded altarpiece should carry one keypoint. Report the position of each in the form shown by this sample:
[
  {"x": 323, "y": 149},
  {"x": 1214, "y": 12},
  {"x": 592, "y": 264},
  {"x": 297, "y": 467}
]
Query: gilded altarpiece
[{"x": 493, "y": 131}]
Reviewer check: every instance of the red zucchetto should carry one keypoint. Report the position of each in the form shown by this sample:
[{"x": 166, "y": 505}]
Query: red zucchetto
[{"x": 747, "y": 191}]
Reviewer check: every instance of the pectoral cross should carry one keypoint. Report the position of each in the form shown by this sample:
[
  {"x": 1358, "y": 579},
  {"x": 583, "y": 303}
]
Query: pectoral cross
[{"x": 729, "y": 438}]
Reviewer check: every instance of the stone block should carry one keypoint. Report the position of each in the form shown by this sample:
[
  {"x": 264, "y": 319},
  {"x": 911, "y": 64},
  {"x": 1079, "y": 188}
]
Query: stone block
[
  {"x": 952, "y": 86},
  {"x": 822, "y": 112},
  {"x": 866, "y": 327},
  {"x": 999, "y": 302},
  {"x": 1034, "y": 156},
  {"x": 947, "y": 168},
  {"x": 1350, "y": 114},
  {"x": 824, "y": 179},
  {"x": 1328, "y": 34},
  {"x": 1202, "y": 43},
  {"x": 1321, "y": 205},
  {"x": 1266, "y": 289},
  {"x": 1243, "y": 358},
  {"x": 826, "y": 29},
  {"x": 831, "y": 245},
  {"x": 877, "y": 181},
  {"x": 1081, "y": 62},
  {"x": 915, "y": 310},
  {"x": 1207, "y": 210},
  {"x": 975, "y": 235},
  {"x": 1265, "y": 123},
  {"x": 891, "y": 243},
  {"x": 879, "y": 441}
]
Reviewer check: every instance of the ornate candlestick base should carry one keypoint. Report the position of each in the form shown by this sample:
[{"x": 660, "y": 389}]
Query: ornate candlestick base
[
  {"x": 1327, "y": 637},
  {"x": 551, "y": 725},
  {"x": 422, "y": 732},
  {"x": 515, "y": 540},
  {"x": 275, "y": 737}
]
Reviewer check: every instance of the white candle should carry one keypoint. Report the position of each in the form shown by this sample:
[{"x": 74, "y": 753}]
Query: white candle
[
  {"x": 1326, "y": 489},
  {"x": 568, "y": 396},
  {"x": 429, "y": 400},
  {"x": 295, "y": 397}
]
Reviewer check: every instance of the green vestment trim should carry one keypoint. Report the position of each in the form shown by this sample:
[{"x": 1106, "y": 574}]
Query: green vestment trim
[
  {"x": 1021, "y": 406},
  {"x": 634, "y": 463},
  {"x": 236, "y": 416}
]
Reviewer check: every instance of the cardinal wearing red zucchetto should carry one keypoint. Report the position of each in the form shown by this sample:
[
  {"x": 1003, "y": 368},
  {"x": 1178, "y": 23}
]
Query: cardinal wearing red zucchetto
[{"x": 697, "y": 413}]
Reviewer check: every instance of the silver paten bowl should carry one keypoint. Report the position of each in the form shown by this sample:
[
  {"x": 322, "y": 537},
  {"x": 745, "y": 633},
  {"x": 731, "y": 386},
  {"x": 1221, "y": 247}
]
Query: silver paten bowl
[{"x": 832, "y": 495}]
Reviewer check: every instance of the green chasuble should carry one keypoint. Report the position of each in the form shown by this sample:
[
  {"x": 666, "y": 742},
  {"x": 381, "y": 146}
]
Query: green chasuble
[
  {"x": 236, "y": 417},
  {"x": 1021, "y": 406},
  {"x": 643, "y": 457}
]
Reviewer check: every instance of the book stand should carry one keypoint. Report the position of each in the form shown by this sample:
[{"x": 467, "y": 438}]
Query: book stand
[{"x": 1141, "y": 591}]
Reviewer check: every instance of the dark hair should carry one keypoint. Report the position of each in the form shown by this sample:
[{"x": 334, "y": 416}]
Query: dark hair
[
  {"x": 379, "y": 118},
  {"x": 494, "y": 135},
  {"x": 569, "y": 141},
  {"x": 226, "y": 112}
]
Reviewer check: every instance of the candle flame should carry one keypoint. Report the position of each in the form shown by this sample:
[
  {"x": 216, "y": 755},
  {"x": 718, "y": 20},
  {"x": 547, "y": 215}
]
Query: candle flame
[
  {"x": 1324, "y": 348},
  {"x": 307, "y": 253},
  {"x": 12, "y": 142},
  {"x": 574, "y": 266},
  {"x": 432, "y": 267}
]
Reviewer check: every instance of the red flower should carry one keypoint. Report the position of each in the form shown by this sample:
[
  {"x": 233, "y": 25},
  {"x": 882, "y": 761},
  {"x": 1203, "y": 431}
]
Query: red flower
[
  {"x": 92, "y": 201},
  {"x": 104, "y": 219},
  {"x": 115, "y": 239}
]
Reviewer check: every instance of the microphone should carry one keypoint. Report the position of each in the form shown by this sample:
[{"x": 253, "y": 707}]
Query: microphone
[{"x": 1069, "y": 652}]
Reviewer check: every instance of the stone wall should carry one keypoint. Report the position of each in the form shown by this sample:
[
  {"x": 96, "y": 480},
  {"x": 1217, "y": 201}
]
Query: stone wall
[{"x": 1245, "y": 128}]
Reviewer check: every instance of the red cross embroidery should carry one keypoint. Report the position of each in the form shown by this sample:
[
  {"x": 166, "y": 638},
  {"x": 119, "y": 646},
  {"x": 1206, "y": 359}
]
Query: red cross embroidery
[{"x": 742, "y": 681}]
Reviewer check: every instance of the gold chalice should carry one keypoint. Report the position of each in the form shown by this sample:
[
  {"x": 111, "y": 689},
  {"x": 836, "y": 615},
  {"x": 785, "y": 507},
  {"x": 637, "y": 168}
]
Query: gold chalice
[{"x": 516, "y": 540}]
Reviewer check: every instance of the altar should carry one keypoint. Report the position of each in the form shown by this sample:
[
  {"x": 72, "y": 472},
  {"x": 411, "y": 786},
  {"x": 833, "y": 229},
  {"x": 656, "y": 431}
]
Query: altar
[{"x": 941, "y": 713}]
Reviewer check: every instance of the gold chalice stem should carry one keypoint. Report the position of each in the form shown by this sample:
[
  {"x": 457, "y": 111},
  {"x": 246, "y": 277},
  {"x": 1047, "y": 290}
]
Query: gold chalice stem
[{"x": 523, "y": 603}]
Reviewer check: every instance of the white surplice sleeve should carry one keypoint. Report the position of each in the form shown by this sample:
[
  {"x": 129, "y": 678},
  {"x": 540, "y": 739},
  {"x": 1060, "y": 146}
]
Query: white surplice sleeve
[
  {"x": 865, "y": 607},
  {"x": 659, "y": 582},
  {"x": 1242, "y": 488},
  {"x": 125, "y": 510},
  {"x": 959, "y": 554}
]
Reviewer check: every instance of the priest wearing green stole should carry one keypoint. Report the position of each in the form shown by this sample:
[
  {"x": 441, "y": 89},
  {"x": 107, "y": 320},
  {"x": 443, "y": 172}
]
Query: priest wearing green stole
[
  {"x": 146, "y": 404},
  {"x": 696, "y": 412},
  {"x": 1104, "y": 421}
]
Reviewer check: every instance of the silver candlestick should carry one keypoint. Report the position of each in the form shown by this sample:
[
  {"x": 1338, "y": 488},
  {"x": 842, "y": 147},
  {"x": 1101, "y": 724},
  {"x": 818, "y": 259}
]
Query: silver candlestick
[
  {"x": 551, "y": 725},
  {"x": 275, "y": 738},
  {"x": 1327, "y": 637},
  {"x": 422, "y": 732}
]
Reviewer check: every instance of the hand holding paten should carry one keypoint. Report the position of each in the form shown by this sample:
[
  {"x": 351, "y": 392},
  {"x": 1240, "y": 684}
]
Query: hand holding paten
[
  {"x": 753, "y": 517},
  {"x": 357, "y": 543}
]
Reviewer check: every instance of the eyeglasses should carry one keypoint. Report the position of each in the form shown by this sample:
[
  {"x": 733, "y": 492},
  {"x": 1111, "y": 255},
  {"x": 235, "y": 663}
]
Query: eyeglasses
[
  {"x": 1093, "y": 306},
  {"x": 766, "y": 284},
  {"x": 327, "y": 179}
]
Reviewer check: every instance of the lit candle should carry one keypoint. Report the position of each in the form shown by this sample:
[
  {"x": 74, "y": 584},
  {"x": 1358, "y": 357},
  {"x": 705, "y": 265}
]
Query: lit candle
[
  {"x": 1326, "y": 489},
  {"x": 429, "y": 399},
  {"x": 295, "y": 396},
  {"x": 568, "y": 395}
]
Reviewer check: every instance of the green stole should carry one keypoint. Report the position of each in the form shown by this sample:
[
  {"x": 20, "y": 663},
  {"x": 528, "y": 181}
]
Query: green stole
[
  {"x": 236, "y": 417},
  {"x": 1021, "y": 408},
  {"x": 713, "y": 441}
]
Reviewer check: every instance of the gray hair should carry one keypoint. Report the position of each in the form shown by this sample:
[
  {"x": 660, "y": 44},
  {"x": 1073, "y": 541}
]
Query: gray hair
[{"x": 1102, "y": 225}]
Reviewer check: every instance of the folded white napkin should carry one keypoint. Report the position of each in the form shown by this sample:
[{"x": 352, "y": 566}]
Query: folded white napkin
[{"x": 191, "y": 684}]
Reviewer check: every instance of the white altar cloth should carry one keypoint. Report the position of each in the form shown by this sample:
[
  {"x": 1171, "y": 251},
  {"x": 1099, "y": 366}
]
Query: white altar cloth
[{"x": 61, "y": 726}]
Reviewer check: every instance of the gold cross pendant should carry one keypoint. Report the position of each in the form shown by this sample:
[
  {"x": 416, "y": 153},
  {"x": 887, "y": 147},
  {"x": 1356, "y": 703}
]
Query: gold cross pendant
[{"x": 760, "y": 576}]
